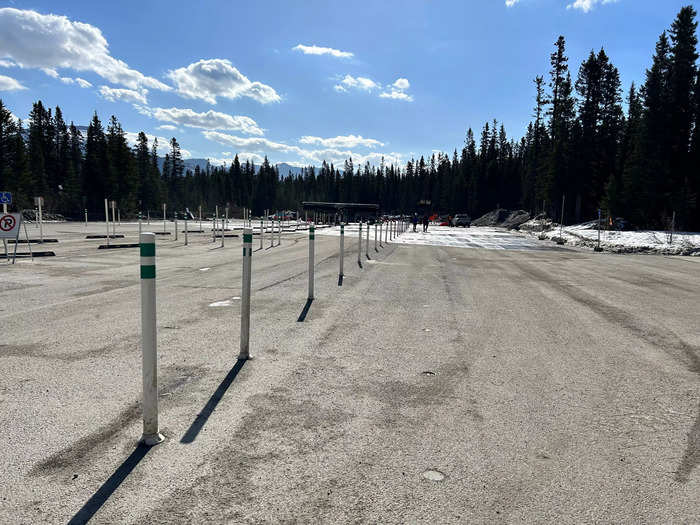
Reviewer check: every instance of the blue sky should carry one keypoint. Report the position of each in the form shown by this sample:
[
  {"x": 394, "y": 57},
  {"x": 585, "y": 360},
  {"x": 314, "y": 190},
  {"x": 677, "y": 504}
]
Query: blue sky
[{"x": 313, "y": 80}]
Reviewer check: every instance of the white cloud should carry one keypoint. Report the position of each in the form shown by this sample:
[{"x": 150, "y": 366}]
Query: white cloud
[
  {"x": 209, "y": 79},
  {"x": 362, "y": 83},
  {"x": 397, "y": 95},
  {"x": 587, "y": 5},
  {"x": 127, "y": 95},
  {"x": 81, "y": 82},
  {"x": 211, "y": 120},
  {"x": 317, "y": 50},
  {"x": 340, "y": 89},
  {"x": 306, "y": 156},
  {"x": 341, "y": 141},
  {"x": 511, "y": 3},
  {"x": 51, "y": 42},
  {"x": 50, "y": 72},
  {"x": 7, "y": 63},
  {"x": 163, "y": 143},
  {"x": 10, "y": 84},
  {"x": 402, "y": 84},
  {"x": 168, "y": 127}
]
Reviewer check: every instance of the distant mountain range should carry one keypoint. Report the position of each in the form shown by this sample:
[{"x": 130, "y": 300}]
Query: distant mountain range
[{"x": 283, "y": 168}]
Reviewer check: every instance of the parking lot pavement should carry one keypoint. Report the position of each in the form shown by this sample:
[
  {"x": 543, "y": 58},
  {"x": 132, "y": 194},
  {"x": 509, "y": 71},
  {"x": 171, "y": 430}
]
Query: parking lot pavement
[
  {"x": 485, "y": 238},
  {"x": 437, "y": 384}
]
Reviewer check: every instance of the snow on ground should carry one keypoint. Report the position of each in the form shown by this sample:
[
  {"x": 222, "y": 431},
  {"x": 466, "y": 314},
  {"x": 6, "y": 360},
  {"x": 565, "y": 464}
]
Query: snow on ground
[
  {"x": 684, "y": 243},
  {"x": 487, "y": 238}
]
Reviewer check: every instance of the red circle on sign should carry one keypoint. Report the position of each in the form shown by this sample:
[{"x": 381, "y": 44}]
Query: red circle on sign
[{"x": 7, "y": 223}]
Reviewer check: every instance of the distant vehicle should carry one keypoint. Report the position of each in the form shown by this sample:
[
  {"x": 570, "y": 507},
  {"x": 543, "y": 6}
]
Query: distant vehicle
[{"x": 463, "y": 220}]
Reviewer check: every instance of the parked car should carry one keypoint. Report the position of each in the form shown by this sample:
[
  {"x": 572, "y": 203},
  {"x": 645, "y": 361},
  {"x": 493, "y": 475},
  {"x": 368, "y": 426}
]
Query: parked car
[{"x": 462, "y": 220}]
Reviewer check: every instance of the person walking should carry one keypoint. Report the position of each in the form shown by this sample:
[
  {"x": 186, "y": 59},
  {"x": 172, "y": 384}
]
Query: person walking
[
  {"x": 414, "y": 220},
  {"x": 426, "y": 221}
]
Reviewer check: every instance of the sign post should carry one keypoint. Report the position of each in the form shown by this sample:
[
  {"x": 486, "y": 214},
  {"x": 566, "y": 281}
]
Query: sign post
[
  {"x": 164, "y": 217},
  {"x": 367, "y": 242}
]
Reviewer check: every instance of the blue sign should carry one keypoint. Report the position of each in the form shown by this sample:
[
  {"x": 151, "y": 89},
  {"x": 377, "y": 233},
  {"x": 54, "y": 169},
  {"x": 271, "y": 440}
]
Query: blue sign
[{"x": 5, "y": 197}]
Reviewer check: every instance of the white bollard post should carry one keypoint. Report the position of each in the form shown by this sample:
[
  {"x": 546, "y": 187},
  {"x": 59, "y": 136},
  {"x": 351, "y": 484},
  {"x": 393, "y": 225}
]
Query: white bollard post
[
  {"x": 85, "y": 217},
  {"x": 311, "y": 262},
  {"x": 386, "y": 234},
  {"x": 342, "y": 253},
  {"x": 186, "y": 228},
  {"x": 216, "y": 220},
  {"x": 119, "y": 216},
  {"x": 41, "y": 222},
  {"x": 262, "y": 232},
  {"x": 175, "y": 222},
  {"x": 224, "y": 221},
  {"x": 164, "y": 218},
  {"x": 375, "y": 237},
  {"x": 359, "y": 246},
  {"x": 245, "y": 293},
  {"x": 148, "y": 215},
  {"x": 114, "y": 222},
  {"x": 380, "y": 235},
  {"x": 139, "y": 225},
  {"x": 367, "y": 242},
  {"x": 151, "y": 433},
  {"x": 279, "y": 233},
  {"x": 107, "y": 220},
  {"x": 200, "y": 219}
]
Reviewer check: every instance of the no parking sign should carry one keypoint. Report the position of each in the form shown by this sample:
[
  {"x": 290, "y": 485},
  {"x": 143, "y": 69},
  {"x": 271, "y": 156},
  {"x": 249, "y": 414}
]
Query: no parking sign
[{"x": 9, "y": 225}]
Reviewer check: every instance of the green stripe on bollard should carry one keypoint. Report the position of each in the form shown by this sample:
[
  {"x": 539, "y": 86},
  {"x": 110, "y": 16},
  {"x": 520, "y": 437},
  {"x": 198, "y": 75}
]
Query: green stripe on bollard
[
  {"x": 148, "y": 272},
  {"x": 247, "y": 237},
  {"x": 148, "y": 249},
  {"x": 312, "y": 236}
]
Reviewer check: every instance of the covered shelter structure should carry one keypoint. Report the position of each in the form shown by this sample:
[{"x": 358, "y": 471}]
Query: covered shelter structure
[{"x": 337, "y": 212}]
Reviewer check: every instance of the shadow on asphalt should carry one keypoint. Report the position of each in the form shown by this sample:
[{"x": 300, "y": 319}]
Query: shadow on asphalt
[
  {"x": 203, "y": 416},
  {"x": 95, "y": 503},
  {"x": 305, "y": 311}
]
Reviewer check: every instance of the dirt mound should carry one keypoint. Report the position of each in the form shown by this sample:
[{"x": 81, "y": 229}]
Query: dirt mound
[{"x": 511, "y": 219}]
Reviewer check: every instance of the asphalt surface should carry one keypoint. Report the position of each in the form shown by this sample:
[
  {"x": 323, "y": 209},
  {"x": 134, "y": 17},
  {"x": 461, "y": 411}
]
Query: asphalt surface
[{"x": 438, "y": 384}]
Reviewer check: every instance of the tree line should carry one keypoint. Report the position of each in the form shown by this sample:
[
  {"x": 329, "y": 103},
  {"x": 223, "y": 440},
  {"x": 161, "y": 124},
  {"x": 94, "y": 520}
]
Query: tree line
[{"x": 581, "y": 145}]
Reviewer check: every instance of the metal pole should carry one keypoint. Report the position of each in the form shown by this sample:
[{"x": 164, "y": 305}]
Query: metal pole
[
  {"x": 342, "y": 252},
  {"x": 262, "y": 232},
  {"x": 223, "y": 222},
  {"x": 148, "y": 215},
  {"x": 41, "y": 222},
  {"x": 186, "y": 228},
  {"x": 359, "y": 246},
  {"x": 380, "y": 235},
  {"x": 119, "y": 217},
  {"x": 279, "y": 233},
  {"x": 673, "y": 226},
  {"x": 367, "y": 242},
  {"x": 245, "y": 293},
  {"x": 200, "y": 219},
  {"x": 114, "y": 222},
  {"x": 386, "y": 234},
  {"x": 375, "y": 237},
  {"x": 561, "y": 224},
  {"x": 151, "y": 434},
  {"x": 175, "y": 221},
  {"x": 311, "y": 262},
  {"x": 139, "y": 225},
  {"x": 598, "y": 247},
  {"x": 164, "y": 218},
  {"x": 86, "y": 218},
  {"x": 216, "y": 220},
  {"x": 107, "y": 220}
]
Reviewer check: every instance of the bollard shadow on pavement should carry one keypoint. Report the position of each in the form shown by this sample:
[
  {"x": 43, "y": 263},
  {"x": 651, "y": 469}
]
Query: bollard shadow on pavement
[
  {"x": 203, "y": 416},
  {"x": 305, "y": 311},
  {"x": 100, "y": 497}
]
